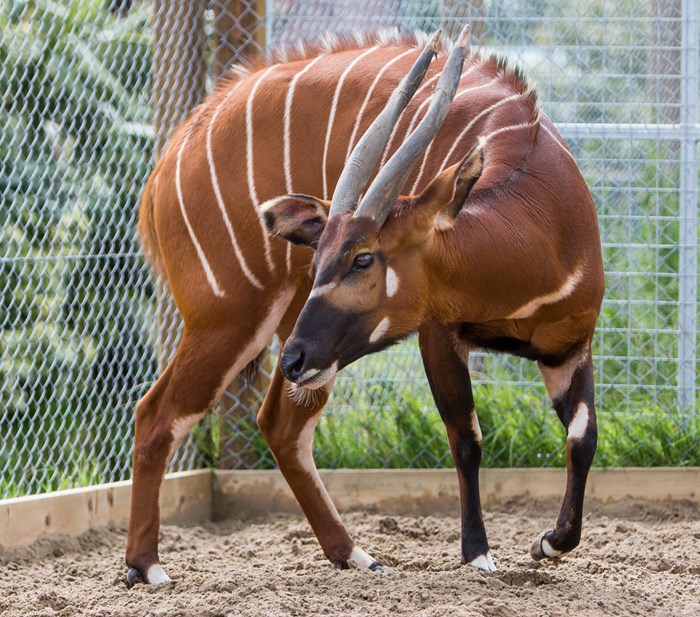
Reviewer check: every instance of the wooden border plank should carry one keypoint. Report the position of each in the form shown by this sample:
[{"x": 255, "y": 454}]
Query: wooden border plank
[
  {"x": 185, "y": 498},
  {"x": 436, "y": 490}
]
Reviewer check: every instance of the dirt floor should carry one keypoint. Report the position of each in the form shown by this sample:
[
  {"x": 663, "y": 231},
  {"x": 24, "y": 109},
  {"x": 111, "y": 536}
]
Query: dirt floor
[{"x": 635, "y": 559}]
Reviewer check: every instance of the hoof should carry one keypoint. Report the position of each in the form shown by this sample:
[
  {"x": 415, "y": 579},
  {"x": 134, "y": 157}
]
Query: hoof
[
  {"x": 155, "y": 575},
  {"x": 542, "y": 548},
  {"x": 133, "y": 576},
  {"x": 484, "y": 562},
  {"x": 378, "y": 567}
]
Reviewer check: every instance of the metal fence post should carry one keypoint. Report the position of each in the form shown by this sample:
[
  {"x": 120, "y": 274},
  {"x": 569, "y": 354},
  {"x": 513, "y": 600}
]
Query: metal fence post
[{"x": 688, "y": 262}]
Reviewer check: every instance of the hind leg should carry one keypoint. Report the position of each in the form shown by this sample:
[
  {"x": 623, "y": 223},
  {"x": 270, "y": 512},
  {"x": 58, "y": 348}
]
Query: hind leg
[
  {"x": 570, "y": 386},
  {"x": 205, "y": 362}
]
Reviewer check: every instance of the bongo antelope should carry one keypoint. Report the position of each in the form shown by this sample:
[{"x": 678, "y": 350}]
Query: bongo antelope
[{"x": 496, "y": 246}]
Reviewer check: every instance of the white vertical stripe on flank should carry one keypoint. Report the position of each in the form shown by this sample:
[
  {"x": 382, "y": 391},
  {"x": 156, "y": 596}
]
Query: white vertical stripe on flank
[
  {"x": 331, "y": 117},
  {"x": 289, "y": 257},
  {"x": 249, "y": 160},
  {"x": 287, "y": 120},
  {"x": 358, "y": 120},
  {"x": 424, "y": 160},
  {"x": 220, "y": 201},
  {"x": 200, "y": 253}
]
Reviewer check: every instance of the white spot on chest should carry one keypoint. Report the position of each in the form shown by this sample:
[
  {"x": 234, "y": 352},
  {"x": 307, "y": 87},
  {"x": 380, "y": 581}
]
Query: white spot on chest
[
  {"x": 392, "y": 282},
  {"x": 579, "y": 423},
  {"x": 380, "y": 330}
]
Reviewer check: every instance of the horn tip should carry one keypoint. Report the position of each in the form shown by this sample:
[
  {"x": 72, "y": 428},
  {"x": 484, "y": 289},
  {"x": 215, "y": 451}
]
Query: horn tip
[
  {"x": 463, "y": 39},
  {"x": 434, "y": 42}
]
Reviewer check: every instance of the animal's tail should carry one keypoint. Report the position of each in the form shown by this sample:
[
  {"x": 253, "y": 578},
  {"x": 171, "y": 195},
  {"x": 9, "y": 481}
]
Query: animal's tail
[{"x": 146, "y": 224}]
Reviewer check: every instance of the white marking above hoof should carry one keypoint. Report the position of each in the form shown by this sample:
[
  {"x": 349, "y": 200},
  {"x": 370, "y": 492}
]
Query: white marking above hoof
[
  {"x": 542, "y": 548},
  {"x": 363, "y": 561},
  {"x": 157, "y": 576},
  {"x": 484, "y": 562}
]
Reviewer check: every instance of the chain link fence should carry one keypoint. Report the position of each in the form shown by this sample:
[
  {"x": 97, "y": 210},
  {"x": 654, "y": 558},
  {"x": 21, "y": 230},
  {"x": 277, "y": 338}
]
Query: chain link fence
[{"x": 85, "y": 329}]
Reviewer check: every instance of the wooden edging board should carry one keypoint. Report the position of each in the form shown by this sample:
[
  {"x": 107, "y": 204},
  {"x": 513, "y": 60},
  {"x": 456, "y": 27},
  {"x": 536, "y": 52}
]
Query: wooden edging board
[
  {"x": 185, "y": 498},
  {"x": 197, "y": 496},
  {"x": 403, "y": 491}
]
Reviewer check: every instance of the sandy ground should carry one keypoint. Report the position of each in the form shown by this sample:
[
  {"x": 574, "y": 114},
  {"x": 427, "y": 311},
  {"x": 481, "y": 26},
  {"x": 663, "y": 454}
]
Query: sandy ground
[{"x": 635, "y": 559}]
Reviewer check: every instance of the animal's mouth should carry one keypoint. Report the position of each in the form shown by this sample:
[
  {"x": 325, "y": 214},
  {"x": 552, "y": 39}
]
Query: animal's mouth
[{"x": 317, "y": 378}]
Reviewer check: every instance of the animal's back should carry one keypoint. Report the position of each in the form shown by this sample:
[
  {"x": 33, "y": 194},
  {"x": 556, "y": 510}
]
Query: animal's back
[{"x": 288, "y": 127}]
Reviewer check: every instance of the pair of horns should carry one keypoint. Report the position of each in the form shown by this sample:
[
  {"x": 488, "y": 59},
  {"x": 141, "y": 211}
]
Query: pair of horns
[{"x": 387, "y": 185}]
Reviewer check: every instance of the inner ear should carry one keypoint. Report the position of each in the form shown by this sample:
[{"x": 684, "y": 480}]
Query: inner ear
[
  {"x": 300, "y": 219},
  {"x": 444, "y": 197}
]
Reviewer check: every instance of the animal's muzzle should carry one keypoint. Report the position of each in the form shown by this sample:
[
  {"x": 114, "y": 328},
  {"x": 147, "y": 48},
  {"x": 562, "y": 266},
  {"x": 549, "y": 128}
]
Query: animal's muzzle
[{"x": 293, "y": 361}]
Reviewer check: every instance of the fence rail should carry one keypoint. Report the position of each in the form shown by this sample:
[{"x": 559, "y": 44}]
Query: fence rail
[{"x": 91, "y": 90}]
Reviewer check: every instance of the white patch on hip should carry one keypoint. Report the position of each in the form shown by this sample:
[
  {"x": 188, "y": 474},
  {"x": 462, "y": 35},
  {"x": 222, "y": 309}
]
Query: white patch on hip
[
  {"x": 579, "y": 423},
  {"x": 380, "y": 330},
  {"x": 484, "y": 562},
  {"x": 157, "y": 576},
  {"x": 392, "y": 282},
  {"x": 565, "y": 290}
]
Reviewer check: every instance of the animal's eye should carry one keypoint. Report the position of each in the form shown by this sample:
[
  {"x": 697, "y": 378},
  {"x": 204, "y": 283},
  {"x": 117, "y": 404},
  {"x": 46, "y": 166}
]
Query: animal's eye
[{"x": 362, "y": 261}]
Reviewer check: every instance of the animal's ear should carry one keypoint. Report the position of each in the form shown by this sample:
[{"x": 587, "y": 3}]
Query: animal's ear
[
  {"x": 444, "y": 197},
  {"x": 297, "y": 218}
]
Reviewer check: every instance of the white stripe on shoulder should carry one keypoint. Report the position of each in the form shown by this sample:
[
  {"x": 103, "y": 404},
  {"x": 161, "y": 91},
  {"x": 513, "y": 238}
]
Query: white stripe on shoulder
[
  {"x": 249, "y": 161},
  {"x": 472, "y": 122},
  {"x": 559, "y": 143},
  {"x": 213, "y": 283},
  {"x": 287, "y": 123},
  {"x": 331, "y": 117},
  {"x": 220, "y": 202},
  {"x": 358, "y": 120},
  {"x": 484, "y": 139}
]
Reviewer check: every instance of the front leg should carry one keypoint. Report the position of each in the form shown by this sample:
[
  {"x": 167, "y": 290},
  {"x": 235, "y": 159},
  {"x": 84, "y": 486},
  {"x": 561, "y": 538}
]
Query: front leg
[
  {"x": 448, "y": 376},
  {"x": 287, "y": 420},
  {"x": 570, "y": 386}
]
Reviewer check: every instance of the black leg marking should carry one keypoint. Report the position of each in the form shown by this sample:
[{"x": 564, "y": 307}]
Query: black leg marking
[
  {"x": 576, "y": 410},
  {"x": 449, "y": 381}
]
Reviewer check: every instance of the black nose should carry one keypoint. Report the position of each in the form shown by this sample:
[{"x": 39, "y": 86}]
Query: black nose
[{"x": 292, "y": 360}]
